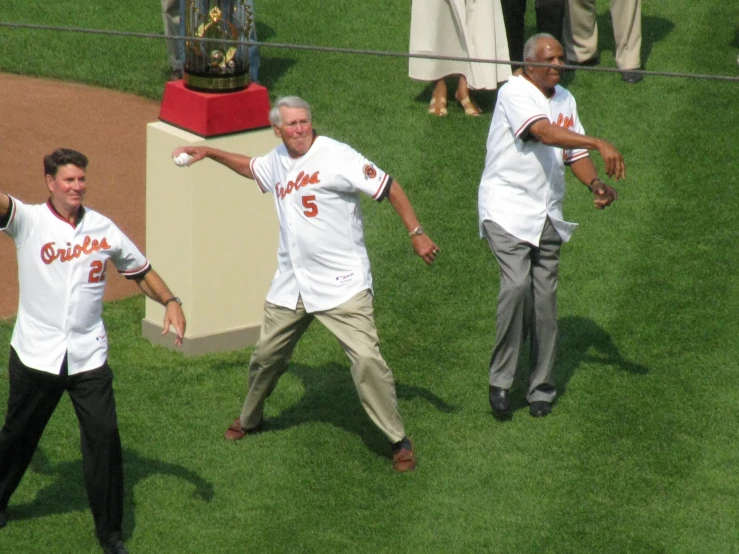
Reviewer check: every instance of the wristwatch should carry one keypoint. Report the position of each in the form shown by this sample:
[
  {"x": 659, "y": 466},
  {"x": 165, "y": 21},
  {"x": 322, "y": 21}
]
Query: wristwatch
[
  {"x": 417, "y": 231},
  {"x": 596, "y": 180},
  {"x": 173, "y": 299}
]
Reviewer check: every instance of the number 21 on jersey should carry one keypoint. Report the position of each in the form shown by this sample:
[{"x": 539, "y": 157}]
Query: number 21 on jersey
[{"x": 97, "y": 272}]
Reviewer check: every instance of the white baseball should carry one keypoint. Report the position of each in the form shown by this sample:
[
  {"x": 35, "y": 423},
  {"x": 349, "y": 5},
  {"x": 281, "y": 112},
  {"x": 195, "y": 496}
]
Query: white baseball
[{"x": 182, "y": 159}]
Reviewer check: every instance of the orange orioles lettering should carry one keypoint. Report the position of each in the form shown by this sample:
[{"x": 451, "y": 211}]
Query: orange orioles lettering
[
  {"x": 49, "y": 253},
  {"x": 302, "y": 180},
  {"x": 565, "y": 122}
]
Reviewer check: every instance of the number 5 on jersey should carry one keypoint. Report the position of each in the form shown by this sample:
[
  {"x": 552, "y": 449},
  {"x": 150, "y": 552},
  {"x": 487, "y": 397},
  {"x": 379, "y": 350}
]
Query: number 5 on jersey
[{"x": 309, "y": 203}]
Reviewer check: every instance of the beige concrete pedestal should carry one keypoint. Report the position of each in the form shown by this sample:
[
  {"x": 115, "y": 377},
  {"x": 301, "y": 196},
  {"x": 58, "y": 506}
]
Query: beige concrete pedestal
[{"x": 212, "y": 236}]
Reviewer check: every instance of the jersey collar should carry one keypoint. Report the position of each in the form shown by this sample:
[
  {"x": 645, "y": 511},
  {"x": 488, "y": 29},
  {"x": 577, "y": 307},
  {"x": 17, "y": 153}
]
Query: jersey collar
[
  {"x": 549, "y": 93},
  {"x": 80, "y": 214}
]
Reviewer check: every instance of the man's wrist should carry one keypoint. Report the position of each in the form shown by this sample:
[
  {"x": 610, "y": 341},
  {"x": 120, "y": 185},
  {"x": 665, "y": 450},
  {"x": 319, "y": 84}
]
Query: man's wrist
[{"x": 594, "y": 181}]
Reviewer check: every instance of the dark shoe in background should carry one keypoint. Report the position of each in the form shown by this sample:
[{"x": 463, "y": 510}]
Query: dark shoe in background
[
  {"x": 500, "y": 402},
  {"x": 540, "y": 408},
  {"x": 115, "y": 547},
  {"x": 631, "y": 76},
  {"x": 587, "y": 63},
  {"x": 174, "y": 75}
]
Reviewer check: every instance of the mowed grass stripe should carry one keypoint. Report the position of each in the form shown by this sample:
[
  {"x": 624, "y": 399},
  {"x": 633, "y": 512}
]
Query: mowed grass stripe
[{"x": 645, "y": 425}]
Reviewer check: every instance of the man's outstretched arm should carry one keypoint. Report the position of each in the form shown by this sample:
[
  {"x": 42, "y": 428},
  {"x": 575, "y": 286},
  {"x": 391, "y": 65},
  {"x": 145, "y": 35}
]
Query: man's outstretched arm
[{"x": 235, "y": 162}]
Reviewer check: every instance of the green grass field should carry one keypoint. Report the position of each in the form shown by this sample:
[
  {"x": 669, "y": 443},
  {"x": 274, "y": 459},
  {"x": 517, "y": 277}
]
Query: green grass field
[{"x": 641, "y": 452}]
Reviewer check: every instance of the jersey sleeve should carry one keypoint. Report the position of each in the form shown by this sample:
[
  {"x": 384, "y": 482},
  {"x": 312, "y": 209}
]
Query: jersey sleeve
[
  {"x": 261, "y": 168},
  {"x": 18, "y": 222},
  {"x": 521, "y": 110},
  {"x": 358, "y": 174},
  {"x": 127, "y": 258}
]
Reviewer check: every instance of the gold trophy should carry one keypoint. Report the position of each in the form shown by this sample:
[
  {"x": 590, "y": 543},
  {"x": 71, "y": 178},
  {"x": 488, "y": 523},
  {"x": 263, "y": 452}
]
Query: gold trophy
[{"x": 212, "y": 65}]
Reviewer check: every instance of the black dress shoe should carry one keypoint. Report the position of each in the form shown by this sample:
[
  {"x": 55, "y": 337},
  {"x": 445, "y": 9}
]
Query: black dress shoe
[
  {"x": 631, "y": 77},
  {"x": 3, "y": 519},
  {"x": 587, "y": 63},
  {"x": 500, "y": 402},
  {"x": 115, "y": 547},
  {"x": 540, "y": 408},
  {"x": 174, "y": 75}
]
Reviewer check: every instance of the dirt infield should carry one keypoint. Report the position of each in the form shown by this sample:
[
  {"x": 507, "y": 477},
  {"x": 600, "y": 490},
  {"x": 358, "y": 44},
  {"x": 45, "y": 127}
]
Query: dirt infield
[{"x": 109, "y": 127}]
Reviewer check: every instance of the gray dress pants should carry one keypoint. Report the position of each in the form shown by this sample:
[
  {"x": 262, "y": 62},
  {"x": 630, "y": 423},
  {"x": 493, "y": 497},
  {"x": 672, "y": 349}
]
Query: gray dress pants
[{"x": 527, "y": 305}]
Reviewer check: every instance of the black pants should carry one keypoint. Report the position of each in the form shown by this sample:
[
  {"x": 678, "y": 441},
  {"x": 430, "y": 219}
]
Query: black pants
[
  {"x": 550, "y": 16},
  {"x": 33, "y": 397}
]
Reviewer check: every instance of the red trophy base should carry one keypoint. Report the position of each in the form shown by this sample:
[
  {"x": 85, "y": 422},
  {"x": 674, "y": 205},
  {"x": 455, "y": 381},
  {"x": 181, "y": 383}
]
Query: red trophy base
[{"x": 210, "y": 114}]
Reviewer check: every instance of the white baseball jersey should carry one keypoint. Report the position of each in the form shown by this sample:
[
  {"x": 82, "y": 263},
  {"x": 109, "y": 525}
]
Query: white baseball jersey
[
  {"x": 61, "y": 274},
  {"x": 321, "y": 257},
  {"x": 523, "y": 182}
]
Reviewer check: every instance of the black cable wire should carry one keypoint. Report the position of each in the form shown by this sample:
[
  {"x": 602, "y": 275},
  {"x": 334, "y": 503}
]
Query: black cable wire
[{"x": 360, "y": 51}]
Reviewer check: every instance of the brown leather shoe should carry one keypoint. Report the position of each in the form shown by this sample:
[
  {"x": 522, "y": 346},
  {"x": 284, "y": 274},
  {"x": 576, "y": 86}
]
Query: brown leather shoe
[
  {"x": 236, "y": 432},
  {"x": 404, "y": 459}
]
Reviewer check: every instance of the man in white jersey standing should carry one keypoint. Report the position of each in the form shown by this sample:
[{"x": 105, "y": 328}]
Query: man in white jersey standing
[
  {"x": 59, "y": 342},
  {"x": 534, "y": 134},
  {"x": 323, "y": 267}
]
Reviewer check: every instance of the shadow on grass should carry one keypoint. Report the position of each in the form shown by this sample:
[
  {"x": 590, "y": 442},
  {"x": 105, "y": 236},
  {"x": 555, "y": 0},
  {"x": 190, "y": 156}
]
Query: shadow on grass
[
  {"x": 270, "y": 69},
  {"x": 583, "y": 340},
  {"x": 580, "y": 340},
  {"x": 330, "y": 397},
  {"x": 67, "y": 493}
]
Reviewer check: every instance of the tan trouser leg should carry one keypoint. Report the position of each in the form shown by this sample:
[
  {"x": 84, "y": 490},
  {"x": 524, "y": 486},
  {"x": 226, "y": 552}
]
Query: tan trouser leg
[
  {"x": 626, "y": 17},
  {"x": 580, "y": 31},
  {"x": 280, "y": 332},
  {"x": 352, "y": 323}
]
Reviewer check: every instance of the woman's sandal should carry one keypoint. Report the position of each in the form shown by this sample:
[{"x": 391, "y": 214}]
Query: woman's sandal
[
  {"x": 437, "y": 106},
  {"x": 469, "y": 106}
]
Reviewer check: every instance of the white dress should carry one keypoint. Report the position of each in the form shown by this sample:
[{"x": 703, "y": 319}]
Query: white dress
[{"x": 460, "y": 28}]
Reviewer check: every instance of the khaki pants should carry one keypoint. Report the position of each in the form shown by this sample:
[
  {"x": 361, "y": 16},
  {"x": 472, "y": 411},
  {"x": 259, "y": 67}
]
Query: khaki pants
[
  {"x": 581, "y": 31},
  {"x": 352, "y": 323}
]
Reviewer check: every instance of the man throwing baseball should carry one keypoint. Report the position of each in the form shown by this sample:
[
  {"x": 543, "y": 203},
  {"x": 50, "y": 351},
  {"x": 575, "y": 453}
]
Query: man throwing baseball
[
  {"x": 323, "y": 267},
  {"x": 534, "y": 134},
  {"x": 59, "y": 341}
]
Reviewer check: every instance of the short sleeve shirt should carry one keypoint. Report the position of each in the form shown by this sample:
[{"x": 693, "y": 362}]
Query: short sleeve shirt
[
  {"x": 321, "y": 256},
  {"x": 61, "y": 275},
  {"x": 523, "y": 181}
]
